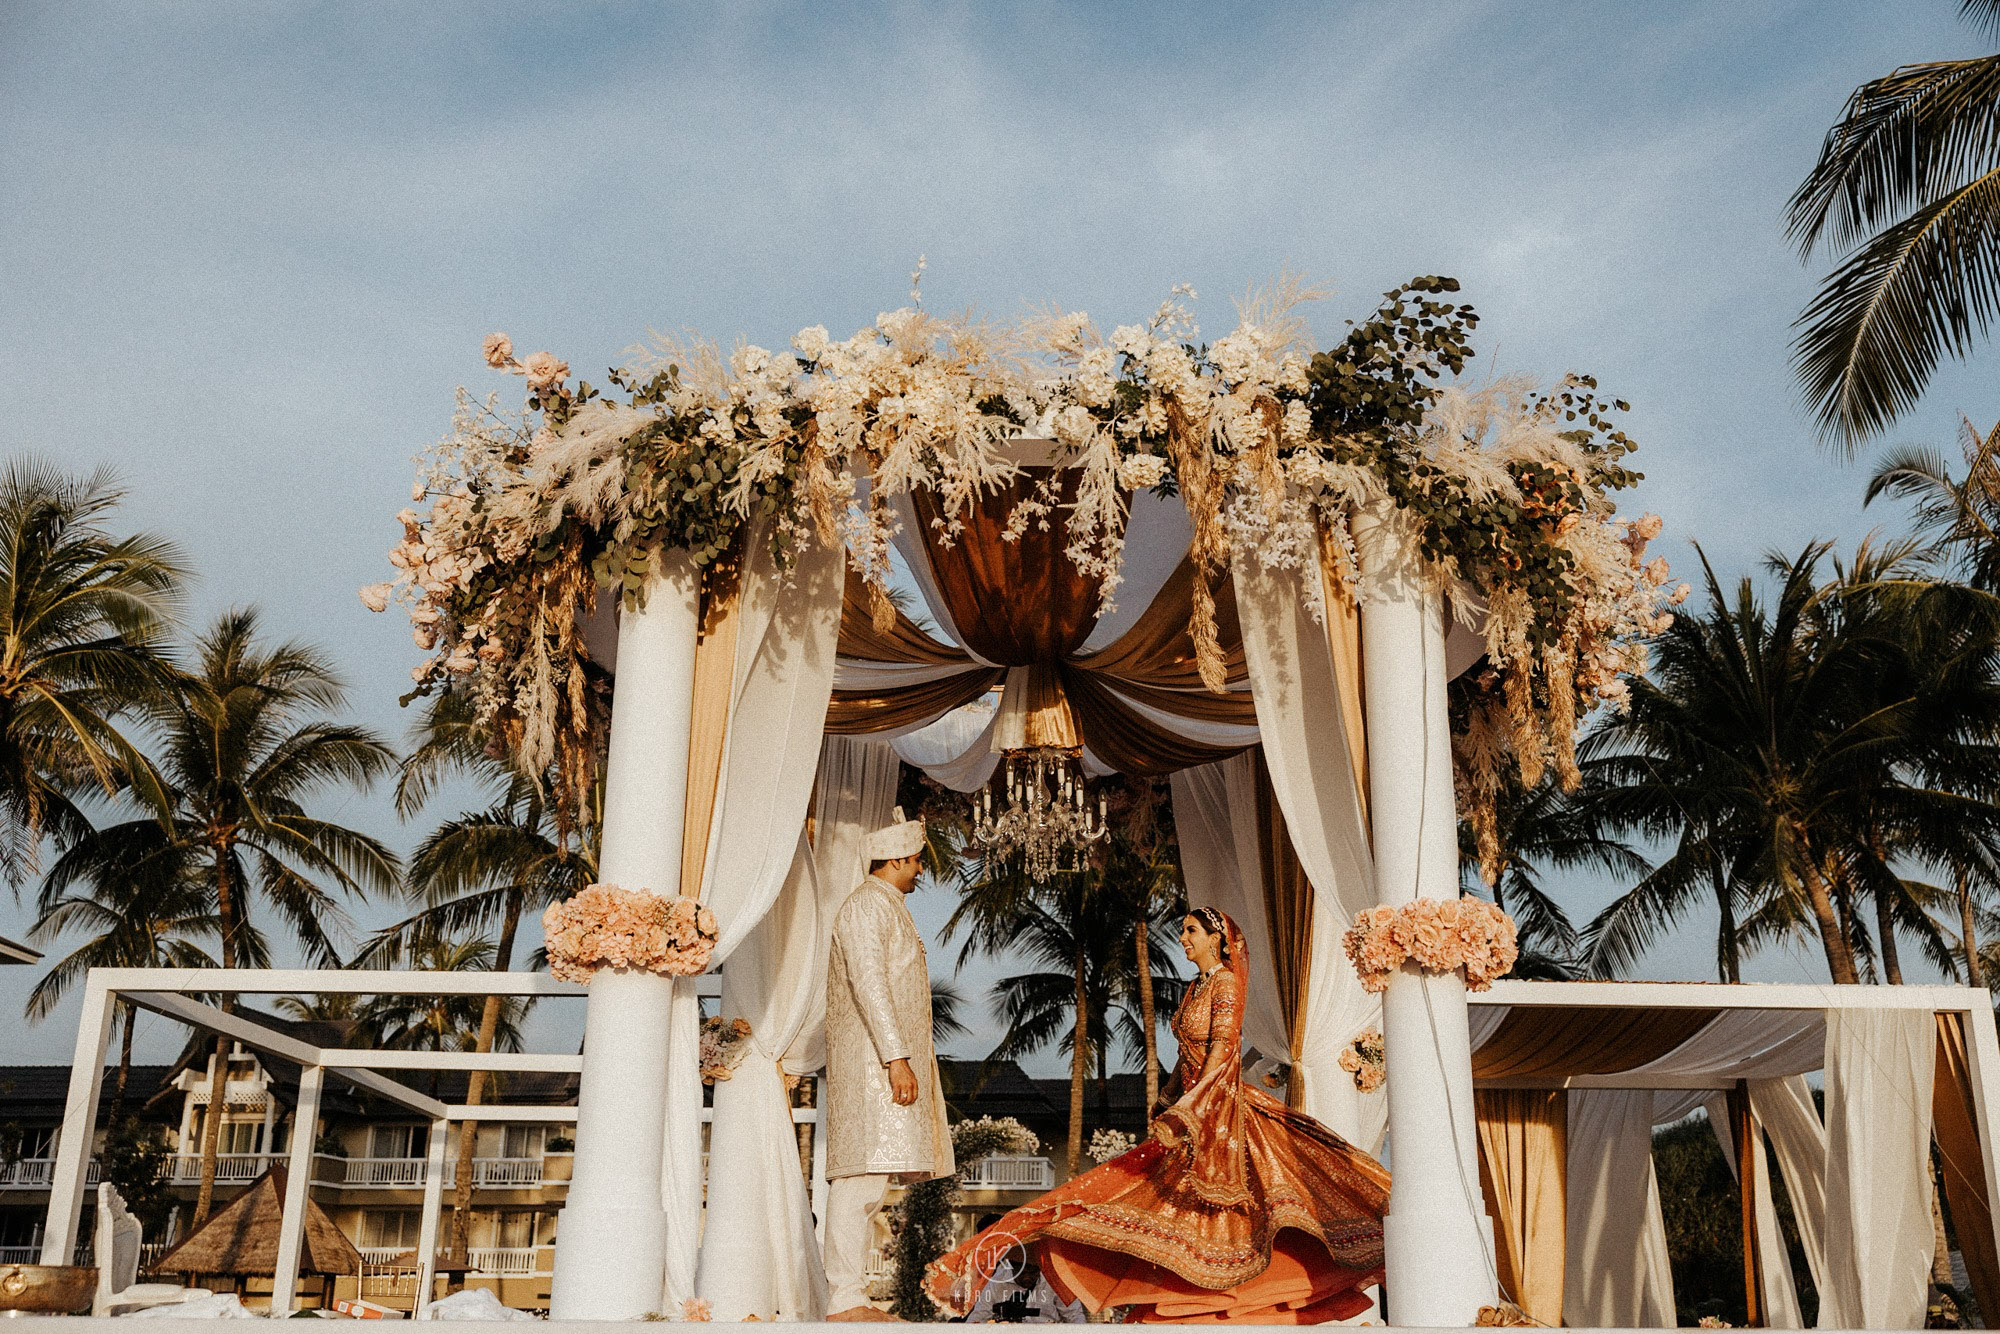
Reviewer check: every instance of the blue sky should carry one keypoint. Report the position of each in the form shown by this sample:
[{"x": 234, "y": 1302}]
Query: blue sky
[{"x": 251, "y": 249}]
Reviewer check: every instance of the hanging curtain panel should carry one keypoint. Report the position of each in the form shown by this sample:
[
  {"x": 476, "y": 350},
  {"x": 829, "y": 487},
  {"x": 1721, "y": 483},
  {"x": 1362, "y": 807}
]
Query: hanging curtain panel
[
  {"x": 1953, "y": 1113},
  {"x": 1524, "y": 1172}
]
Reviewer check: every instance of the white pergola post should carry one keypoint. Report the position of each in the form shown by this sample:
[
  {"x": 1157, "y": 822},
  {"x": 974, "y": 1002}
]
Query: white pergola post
[
  {"x": 298, "y": 1180},
  {"x": 611, "y": 1237},
  {"x": 75, "y": 1139},
  {"x": 1438, "y": 1239},
  {"x": 427, "y": 1224}
]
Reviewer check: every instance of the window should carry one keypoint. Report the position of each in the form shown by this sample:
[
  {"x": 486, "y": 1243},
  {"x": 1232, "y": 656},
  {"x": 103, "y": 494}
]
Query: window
[
  {"x": 512, "y": 1229},
  {"x": 411, "y": 1141},
  {"x": 240, "y": 1137},
  {"x": 36, "y": 1142},
  {"x": 522, "y": 1142},
  {"x": 383, "y": 1228}
]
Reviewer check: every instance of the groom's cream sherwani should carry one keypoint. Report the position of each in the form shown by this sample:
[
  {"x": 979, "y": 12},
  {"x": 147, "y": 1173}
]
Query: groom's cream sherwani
[{"x": 878, "y": 1008}]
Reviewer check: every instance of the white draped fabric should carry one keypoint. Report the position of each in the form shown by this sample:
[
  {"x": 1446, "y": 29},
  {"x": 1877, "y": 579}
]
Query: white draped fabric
[
  {"x": 957, "y": 749},
  {"x": 1617, "y": 1273},
  {"x": 1878, "y": 1183},
  {"x": 1299, "y": 717},
  {"x": 788, "y": 626},
  {"x": 759, "y": 1254},
  {"x": 1798, "y": 1138},
  {"x": 857, "y": 791},
  {"x": 1215, "y": 823},
  {"x": 1774, "y": 1262}
]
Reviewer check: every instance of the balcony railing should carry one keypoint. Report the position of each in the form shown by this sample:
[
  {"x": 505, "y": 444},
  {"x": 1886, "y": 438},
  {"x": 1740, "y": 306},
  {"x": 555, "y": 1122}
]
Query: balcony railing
[
  {"x": 502, "y": 1261},
  {"x": 409, "y": 1173},
  {"x": 507, "y": 1261},
  {"x": 39, "y": 1173},
  {"x": 230, "y": 1168},
  {"x": 1011, "y": 1171}
]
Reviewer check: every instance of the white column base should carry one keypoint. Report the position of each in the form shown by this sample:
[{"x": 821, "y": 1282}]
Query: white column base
[
  {"x": 1440, "y": 1255},
  {"x": 608, "y": 1262}
]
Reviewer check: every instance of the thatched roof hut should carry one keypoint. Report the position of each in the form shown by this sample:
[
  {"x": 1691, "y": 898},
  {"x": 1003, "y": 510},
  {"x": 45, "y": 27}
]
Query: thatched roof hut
[{"x": 242, "y": 1240}]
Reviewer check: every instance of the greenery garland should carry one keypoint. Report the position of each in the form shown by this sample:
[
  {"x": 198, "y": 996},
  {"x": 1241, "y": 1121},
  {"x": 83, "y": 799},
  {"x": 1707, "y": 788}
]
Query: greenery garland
[{"x": 925, "y": 1212}]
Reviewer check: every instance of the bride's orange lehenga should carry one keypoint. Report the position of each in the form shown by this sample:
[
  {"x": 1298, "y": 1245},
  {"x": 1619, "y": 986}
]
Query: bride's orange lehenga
[{"x": 1237, "y": 1210}]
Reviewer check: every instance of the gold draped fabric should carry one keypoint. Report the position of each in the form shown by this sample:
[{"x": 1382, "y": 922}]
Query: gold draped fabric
[
  {"x": 1343, "y": 640},
  {"x": 1524, "y": 1174},
  {"x": 714, "y": 693},
  {"x": 1288, "y": 909},
  {"x": 1957, "y": 1129},
  {"x": 1553, "y": 1044}
]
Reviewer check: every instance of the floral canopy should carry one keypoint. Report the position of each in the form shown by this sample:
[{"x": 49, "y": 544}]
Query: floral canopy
[{"x": 1069, "y": 505}]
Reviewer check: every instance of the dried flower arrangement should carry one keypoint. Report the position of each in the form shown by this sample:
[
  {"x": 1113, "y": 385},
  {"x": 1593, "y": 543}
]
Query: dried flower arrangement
[{"x": 1270, "y": 442}]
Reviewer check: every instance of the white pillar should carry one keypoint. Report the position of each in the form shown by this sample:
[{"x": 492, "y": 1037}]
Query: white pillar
[
  {"x": 1439, "y": 1242},
  {"x": 611, "y": 1238},
  {"x": 77, "y": 1135},
  {"x": 427, "y": 1223},
  {"x": 298, "y": 1177}
]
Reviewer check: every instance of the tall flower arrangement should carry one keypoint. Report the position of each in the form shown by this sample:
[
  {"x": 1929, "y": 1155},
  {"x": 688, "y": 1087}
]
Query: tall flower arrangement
[{"x": 1270, "y": 442}]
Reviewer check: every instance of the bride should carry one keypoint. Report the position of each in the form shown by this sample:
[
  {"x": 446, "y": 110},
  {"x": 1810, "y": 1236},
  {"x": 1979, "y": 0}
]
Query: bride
[{"x": 1236, "y": 1210}]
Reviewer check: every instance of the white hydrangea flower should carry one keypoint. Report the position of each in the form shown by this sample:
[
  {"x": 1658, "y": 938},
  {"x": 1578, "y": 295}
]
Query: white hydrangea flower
[{"x": 1141, "y": 472}]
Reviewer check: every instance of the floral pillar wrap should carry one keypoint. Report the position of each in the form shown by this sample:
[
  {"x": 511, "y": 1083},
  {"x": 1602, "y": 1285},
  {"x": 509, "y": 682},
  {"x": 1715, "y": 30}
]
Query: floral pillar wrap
[{"x": 604, "y": 926}]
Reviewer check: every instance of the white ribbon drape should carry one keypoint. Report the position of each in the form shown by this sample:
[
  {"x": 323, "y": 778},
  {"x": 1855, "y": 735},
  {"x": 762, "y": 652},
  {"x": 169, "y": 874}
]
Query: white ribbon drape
[
  {"x": 788, "y": 626},
  {"x": 1215, "y": 823},
  {"x": 1798, "y": 1138},
  {"x": 1879, "y": 1065},
  {"x": 1299, "y": 717},
  {"x": 1617, "y": 1273},
  {"x": 1781, "y": 1293}
]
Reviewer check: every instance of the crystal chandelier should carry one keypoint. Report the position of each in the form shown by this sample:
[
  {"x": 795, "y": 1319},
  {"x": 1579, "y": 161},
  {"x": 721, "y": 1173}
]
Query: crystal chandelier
[{"x": 1044, "y": 815}]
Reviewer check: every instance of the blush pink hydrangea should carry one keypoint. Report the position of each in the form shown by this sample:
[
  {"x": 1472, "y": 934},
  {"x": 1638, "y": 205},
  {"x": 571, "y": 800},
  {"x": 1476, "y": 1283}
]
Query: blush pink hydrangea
[
  {"x": 1439, "y": 937},
  {"x": 604, "y": 926}
]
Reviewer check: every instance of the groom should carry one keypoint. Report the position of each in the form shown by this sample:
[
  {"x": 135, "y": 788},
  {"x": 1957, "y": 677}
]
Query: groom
[{"x": 885, "y": 1114}]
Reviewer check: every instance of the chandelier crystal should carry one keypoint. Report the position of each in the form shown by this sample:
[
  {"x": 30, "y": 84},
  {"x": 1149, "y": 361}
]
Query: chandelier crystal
[{"x": 1043, "y": 814}]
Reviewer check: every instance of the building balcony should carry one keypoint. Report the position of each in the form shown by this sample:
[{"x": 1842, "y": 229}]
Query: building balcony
[
  {"x": 409, "y": 1173},
  {"x": 231, "y": 1169},
  {"x": 387, "y": 1262},
  {"x": 1011, "y": 1171},
  {"x": 37, "y": 1174}
]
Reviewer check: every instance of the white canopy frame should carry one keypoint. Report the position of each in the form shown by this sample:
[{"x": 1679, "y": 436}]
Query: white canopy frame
[
  {"x": 180, "y": 994},
  {"x": 1975, "y": 1005}
]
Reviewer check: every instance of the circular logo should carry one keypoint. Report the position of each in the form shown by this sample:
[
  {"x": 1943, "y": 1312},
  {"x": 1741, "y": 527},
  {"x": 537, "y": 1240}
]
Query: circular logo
[{"x": 1001, "y": 1254}]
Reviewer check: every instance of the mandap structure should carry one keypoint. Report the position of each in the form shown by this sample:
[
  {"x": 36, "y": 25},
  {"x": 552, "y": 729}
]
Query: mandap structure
[{"x": 1324, "y": 590}]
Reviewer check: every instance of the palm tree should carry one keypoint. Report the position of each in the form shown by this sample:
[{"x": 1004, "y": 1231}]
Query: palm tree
[
  {"x": 242, "y": 748},
  {"x": 1908, "y": 184},
  {"x": 1958, "y": 518},
  {"x": 1082, "y": 997},
  {"x": 1795, "y": 752},
  {"x": 479, "y": 871},
  {"x": 443, "y": 1022},
  {"x": 1541, "y": 829},
  {"x": 81, "y": 615},
  {"x": 130, "y": 923},
  {"x": 947, "y": 1005}
]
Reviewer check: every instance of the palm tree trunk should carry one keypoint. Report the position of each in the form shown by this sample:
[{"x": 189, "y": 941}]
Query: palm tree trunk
[
  {"x": 1885, "y": 928},
  {"x": 124, "y": 1068},
  {"x": 1839, "y": 957},
  {"x": 475, "y": 1090},
  {"x": 211, "y": 1126},
  {"x": 1079, "y": 1063},
  {"x": 1727, "y": 960},
  {"x": 1968, "y": 932},
  {"x": 1146, "y": 1015}
]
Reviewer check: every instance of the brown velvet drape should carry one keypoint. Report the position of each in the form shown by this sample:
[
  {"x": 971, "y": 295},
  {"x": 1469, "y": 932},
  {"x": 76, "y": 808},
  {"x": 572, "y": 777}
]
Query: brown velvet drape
[
  {"x": 1954, "y": 1123},
  {"x": 1524, "y": 1173}
]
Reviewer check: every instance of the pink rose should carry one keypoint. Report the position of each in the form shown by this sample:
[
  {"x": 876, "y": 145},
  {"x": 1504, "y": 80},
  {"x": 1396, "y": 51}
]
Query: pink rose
[
  {"x": 544, "y": 370},
  {"x": 498, "y": 349}
]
